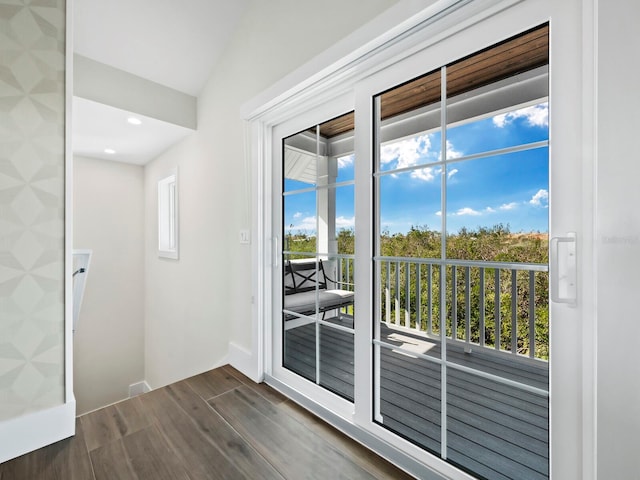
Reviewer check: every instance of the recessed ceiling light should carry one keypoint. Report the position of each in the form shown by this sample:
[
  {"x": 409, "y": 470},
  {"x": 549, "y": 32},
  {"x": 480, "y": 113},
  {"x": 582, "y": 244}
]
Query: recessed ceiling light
[
  {"x": 109, "y": 151},
  {"x": 134, "y": 121}
]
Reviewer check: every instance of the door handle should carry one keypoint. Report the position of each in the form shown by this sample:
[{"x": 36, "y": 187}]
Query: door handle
[{"x": 563, "y": 268}]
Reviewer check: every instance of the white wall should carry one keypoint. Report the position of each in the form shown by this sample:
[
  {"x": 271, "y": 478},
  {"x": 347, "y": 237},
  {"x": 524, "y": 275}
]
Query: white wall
[
  {"x": 109, "y": 338},
  {"x": 618, "y": 234},
  {"x": 195, "y": 305}
]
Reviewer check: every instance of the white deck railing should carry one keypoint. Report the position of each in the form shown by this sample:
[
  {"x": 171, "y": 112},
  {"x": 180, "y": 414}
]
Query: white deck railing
[{"x": 481, "y": 298}]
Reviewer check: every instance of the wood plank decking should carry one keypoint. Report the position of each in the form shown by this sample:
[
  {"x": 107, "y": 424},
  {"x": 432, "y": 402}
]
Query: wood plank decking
[{"x": 494, "y": 431}]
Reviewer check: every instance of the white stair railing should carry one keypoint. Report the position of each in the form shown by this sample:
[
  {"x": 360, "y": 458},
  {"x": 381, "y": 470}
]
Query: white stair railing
[{"x": 81, "y": 263}]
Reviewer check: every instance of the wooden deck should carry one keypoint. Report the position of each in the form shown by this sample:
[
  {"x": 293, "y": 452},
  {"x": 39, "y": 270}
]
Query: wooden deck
[{"x": 494, "y": 431}]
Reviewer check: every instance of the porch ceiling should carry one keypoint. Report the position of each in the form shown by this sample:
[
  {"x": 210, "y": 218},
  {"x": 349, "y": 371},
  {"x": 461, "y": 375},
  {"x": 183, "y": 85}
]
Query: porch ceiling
[{"x": 511, "y": 57}]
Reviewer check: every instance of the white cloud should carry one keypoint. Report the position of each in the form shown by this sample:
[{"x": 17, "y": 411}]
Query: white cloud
[
  {"x": 305, "y": 224},
  {"x": 540, "y": 199},
  {"x": 297, "y": 215},
  {"x": 344, "y": 222},
  {"x": 439, "y": 213},
  {"x": 308, "y": 224},
  {"x": 425, "y": 174},
  {"x": 452, "y": 152},
  {"x": 500, "y": 120},
  {"x": 414, "y": 151},
  {"x": 345, "y": 161},
  {"x": 536, "y": 116},
  {"x": 467, "y": 211},
  {"x": 451, "y": 173},
  {"x": 508, "y": 206},
  {"x": 406, "y": 152}
]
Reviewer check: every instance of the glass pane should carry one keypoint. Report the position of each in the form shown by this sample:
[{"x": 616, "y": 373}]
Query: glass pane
[
  {"x": 299, "y": 353},
  {"x": 345, "y": 164},
  {"x": 503, "y": 309},
  {"x": 336, "y": 361},
  {"x": 337, "y": 345},
  {"x": 299, "y": 321},
  {"x": 497, "y": 98},
  {"x": 410, "y": 295},
  {"x": 518, "y": 59},
  {"x": 410, "y": 388},
  {"x": 409, "y": 125},
  {"x": 300, "y": 274},
  {"x": 336, "y": 219},
  {"x": 515, "y": 127},
  {"x": 498, "y": 208},
  {"x": 344, "y": 220},
  {"x": 300, "y": 222},
  {"x": 495, "y": 320},
  {"x": 339, "y": 264},
  {"x": 415, "y": 150},
  {"x": 301, "y": 160},
  {"x": 495, "y": 430},
  {"x": 338, "y": 129},
  {"x": 318, "y": 231},
  {"x": 410, "y": 216},
  {"x": 338, "y": 136}
]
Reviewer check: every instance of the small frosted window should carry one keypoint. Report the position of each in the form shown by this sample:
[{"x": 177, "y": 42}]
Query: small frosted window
[{"x": 168, "y": 215}]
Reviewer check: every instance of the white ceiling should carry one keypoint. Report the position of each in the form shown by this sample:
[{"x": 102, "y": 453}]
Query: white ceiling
[
  {"x": 175, "y": 43},
  {"x": 97, "y": 127}
]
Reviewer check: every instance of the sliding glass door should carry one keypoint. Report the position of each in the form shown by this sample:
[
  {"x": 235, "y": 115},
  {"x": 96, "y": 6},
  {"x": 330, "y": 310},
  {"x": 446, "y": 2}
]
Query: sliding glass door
[
  {"x": 315, "y": 220},
  {"x": 318, "y": 252},
  {"x": 414, "y": 295},
  {"x": 461, "y": 260}
]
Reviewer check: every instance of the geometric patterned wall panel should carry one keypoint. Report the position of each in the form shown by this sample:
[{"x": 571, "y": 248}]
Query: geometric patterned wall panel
[{"x": 32, "y": 107}]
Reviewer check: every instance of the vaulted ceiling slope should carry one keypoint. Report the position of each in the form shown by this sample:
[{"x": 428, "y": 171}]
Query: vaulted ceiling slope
[{"x": 163, "y": 44}]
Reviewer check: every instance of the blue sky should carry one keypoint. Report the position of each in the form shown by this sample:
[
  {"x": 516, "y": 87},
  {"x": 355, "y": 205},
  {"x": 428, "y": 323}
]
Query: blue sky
[{"x": 509, "y": 189}]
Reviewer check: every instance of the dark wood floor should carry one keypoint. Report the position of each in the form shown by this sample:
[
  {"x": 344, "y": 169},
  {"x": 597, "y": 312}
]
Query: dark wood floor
[
  {"x": 217, "y": 425},
  {"x": 494, "y": 430}
]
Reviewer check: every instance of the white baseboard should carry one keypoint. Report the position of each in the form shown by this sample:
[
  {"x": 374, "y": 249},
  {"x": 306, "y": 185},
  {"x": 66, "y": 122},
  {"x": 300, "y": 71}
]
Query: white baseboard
[
  {"x": 138, "y": 388},
  {"x": 242, "y": 359},
  {"x": 35, "y": 430}
]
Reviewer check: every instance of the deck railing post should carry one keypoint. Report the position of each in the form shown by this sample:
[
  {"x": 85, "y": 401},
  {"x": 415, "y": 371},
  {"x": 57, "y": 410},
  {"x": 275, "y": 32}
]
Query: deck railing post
[
  {"x": 514, "y": 312},
  {"x": 467, "y": 305},
  {"x": 482, "y": 304},
  {"x": 396, "y": 297},
  {"x": 387, "y": 293},
  {"x": 532, "y": 314},
  {"x": 418, "y": 297},
  {"x": 454, "y": 302},
  {"x": 497, "y": 323},
  {"x": 407, "y": 293},
  {"x": 430, "y": 299}
]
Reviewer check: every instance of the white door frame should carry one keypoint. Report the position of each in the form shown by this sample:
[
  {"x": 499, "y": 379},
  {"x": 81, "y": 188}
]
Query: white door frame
[{"x": 573, "y": 432}]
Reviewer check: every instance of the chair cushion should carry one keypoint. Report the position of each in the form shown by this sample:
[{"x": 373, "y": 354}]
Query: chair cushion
[{"x": 305, "y": 302}]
